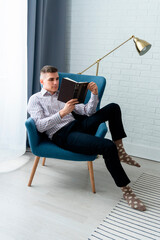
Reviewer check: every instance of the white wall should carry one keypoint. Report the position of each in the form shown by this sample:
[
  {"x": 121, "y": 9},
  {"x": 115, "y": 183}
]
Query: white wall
[{"x": 94, "y": 27}]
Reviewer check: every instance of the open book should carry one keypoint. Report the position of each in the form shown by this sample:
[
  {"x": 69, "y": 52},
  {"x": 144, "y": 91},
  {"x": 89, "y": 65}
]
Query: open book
[{"x": 70, "y": 89}]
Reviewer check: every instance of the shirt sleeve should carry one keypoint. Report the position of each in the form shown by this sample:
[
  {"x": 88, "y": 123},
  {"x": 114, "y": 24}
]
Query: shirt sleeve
[
  {"x": 89, "y": 108},
  {"x": 36, "y": 112}
]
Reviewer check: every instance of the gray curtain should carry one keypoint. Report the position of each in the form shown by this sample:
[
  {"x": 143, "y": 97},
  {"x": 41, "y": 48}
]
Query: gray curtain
[{"x": 46, "y": 38}]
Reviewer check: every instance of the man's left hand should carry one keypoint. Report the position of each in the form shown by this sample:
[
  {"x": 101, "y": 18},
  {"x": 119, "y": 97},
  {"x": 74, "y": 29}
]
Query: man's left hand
[{"x": 93, "y": 88}]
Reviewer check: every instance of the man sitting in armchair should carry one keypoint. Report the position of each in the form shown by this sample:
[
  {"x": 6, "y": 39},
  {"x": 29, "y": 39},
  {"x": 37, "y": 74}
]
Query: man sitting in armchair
[{"x": 57, "y": 120}]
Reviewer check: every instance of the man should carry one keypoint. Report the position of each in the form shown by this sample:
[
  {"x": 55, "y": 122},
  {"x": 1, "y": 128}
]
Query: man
[{"x": 58, "y": 121}]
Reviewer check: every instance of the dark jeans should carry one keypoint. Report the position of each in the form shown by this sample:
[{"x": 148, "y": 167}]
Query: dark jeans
[{"x": 78, "y": 136}]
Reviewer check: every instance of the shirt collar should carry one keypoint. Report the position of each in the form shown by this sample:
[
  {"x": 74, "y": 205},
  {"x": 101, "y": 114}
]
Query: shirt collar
[{"x": 45, "y": 92}]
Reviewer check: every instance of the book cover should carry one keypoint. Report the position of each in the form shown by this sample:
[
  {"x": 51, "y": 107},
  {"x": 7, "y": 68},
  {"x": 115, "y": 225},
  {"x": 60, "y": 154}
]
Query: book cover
[{"x": 70, "y": 89}]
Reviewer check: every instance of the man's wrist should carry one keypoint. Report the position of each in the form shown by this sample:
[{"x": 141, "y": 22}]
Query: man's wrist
[
  {"x": 95, "y": 93},
  {"x": 62, "y": 113}
]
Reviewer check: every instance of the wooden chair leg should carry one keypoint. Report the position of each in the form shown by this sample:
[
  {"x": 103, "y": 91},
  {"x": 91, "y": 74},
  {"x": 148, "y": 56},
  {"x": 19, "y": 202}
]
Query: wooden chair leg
[
  {"x": 90, "y": 168},
  {"x": 36, "y": 161},
  {"x": 43, "y": 162}
]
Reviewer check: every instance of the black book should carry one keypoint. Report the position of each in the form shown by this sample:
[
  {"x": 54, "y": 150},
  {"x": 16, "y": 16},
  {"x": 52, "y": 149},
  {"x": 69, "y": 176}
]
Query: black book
[{"x": 70, "y": 89}]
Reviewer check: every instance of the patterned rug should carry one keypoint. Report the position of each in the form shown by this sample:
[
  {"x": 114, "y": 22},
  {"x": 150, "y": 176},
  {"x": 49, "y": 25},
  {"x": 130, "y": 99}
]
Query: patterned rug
[{"x": 129, "y": 224}]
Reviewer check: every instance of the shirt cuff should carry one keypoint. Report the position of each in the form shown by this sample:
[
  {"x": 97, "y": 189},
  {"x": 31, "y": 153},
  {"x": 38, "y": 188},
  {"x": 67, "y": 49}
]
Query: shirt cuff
[
  {"x": 57, "y": 117},
  {"x": 94, "y": 97}
]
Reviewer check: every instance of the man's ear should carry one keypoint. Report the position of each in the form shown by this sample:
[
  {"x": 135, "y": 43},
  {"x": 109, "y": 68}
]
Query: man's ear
[{"x": 41, "y": 81}]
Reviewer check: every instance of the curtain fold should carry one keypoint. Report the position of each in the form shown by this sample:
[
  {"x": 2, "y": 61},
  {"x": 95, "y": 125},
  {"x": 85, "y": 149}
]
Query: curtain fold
[
  {"x": 46, "y": 38},
  {"x": 13, "y": 77}
]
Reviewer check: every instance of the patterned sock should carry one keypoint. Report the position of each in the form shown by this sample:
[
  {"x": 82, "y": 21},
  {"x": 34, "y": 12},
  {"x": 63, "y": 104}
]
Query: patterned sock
[
  {"x": 124, "y": 157},
  {"x": 132, "y": 200}
]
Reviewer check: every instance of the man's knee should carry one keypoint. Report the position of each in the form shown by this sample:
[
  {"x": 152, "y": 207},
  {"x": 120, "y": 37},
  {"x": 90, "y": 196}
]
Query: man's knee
[
  {"x": 115, "y": 107},
  {"x": 112, "y": 108}
]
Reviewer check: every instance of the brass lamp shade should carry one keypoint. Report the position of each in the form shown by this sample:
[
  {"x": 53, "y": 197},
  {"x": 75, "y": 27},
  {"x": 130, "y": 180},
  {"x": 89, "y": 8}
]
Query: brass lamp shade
[{"x": 141, "y": 46}]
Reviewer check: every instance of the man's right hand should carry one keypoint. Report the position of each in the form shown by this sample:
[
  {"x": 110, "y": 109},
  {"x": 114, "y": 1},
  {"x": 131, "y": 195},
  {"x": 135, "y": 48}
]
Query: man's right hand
[{"x": 68, "y": 108}]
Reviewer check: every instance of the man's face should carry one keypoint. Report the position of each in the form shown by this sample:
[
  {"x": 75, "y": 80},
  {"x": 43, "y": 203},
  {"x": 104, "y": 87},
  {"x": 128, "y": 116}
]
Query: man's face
[{"x": 50, "y": 81}]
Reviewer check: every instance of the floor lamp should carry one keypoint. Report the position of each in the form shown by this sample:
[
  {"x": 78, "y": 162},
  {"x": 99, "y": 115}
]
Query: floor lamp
[{"x": 141, "y": 46}]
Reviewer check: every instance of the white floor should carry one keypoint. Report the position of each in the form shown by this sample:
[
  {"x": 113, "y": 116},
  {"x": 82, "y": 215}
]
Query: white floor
[{"x": 60, "y": 204}]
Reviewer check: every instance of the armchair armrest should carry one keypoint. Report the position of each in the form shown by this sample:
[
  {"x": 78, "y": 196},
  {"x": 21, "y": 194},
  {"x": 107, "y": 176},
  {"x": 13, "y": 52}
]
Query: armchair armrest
[
  {"x": 102, "y": 130},
  {"x": 33, "y": 135}
]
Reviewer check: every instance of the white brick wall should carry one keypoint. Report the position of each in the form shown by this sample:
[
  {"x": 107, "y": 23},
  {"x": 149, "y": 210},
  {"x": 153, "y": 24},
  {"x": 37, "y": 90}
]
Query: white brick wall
[{"x": 95, "y": 27}]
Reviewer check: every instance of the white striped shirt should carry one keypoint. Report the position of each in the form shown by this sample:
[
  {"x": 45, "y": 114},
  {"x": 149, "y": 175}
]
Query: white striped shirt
[{"x": 44, "y": 108}]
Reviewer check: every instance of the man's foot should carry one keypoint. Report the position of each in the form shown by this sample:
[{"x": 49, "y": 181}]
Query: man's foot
[
  {"x": 132, "y": 200},
  {"x": 124, "y": 157}
]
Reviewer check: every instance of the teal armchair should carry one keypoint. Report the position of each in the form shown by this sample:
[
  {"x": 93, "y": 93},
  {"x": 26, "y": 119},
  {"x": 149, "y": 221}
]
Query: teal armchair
[{"x": 41, "y": 146}]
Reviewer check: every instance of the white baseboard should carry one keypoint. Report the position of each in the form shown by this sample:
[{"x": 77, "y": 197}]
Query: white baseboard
[{"x": 143, "y": 151}]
